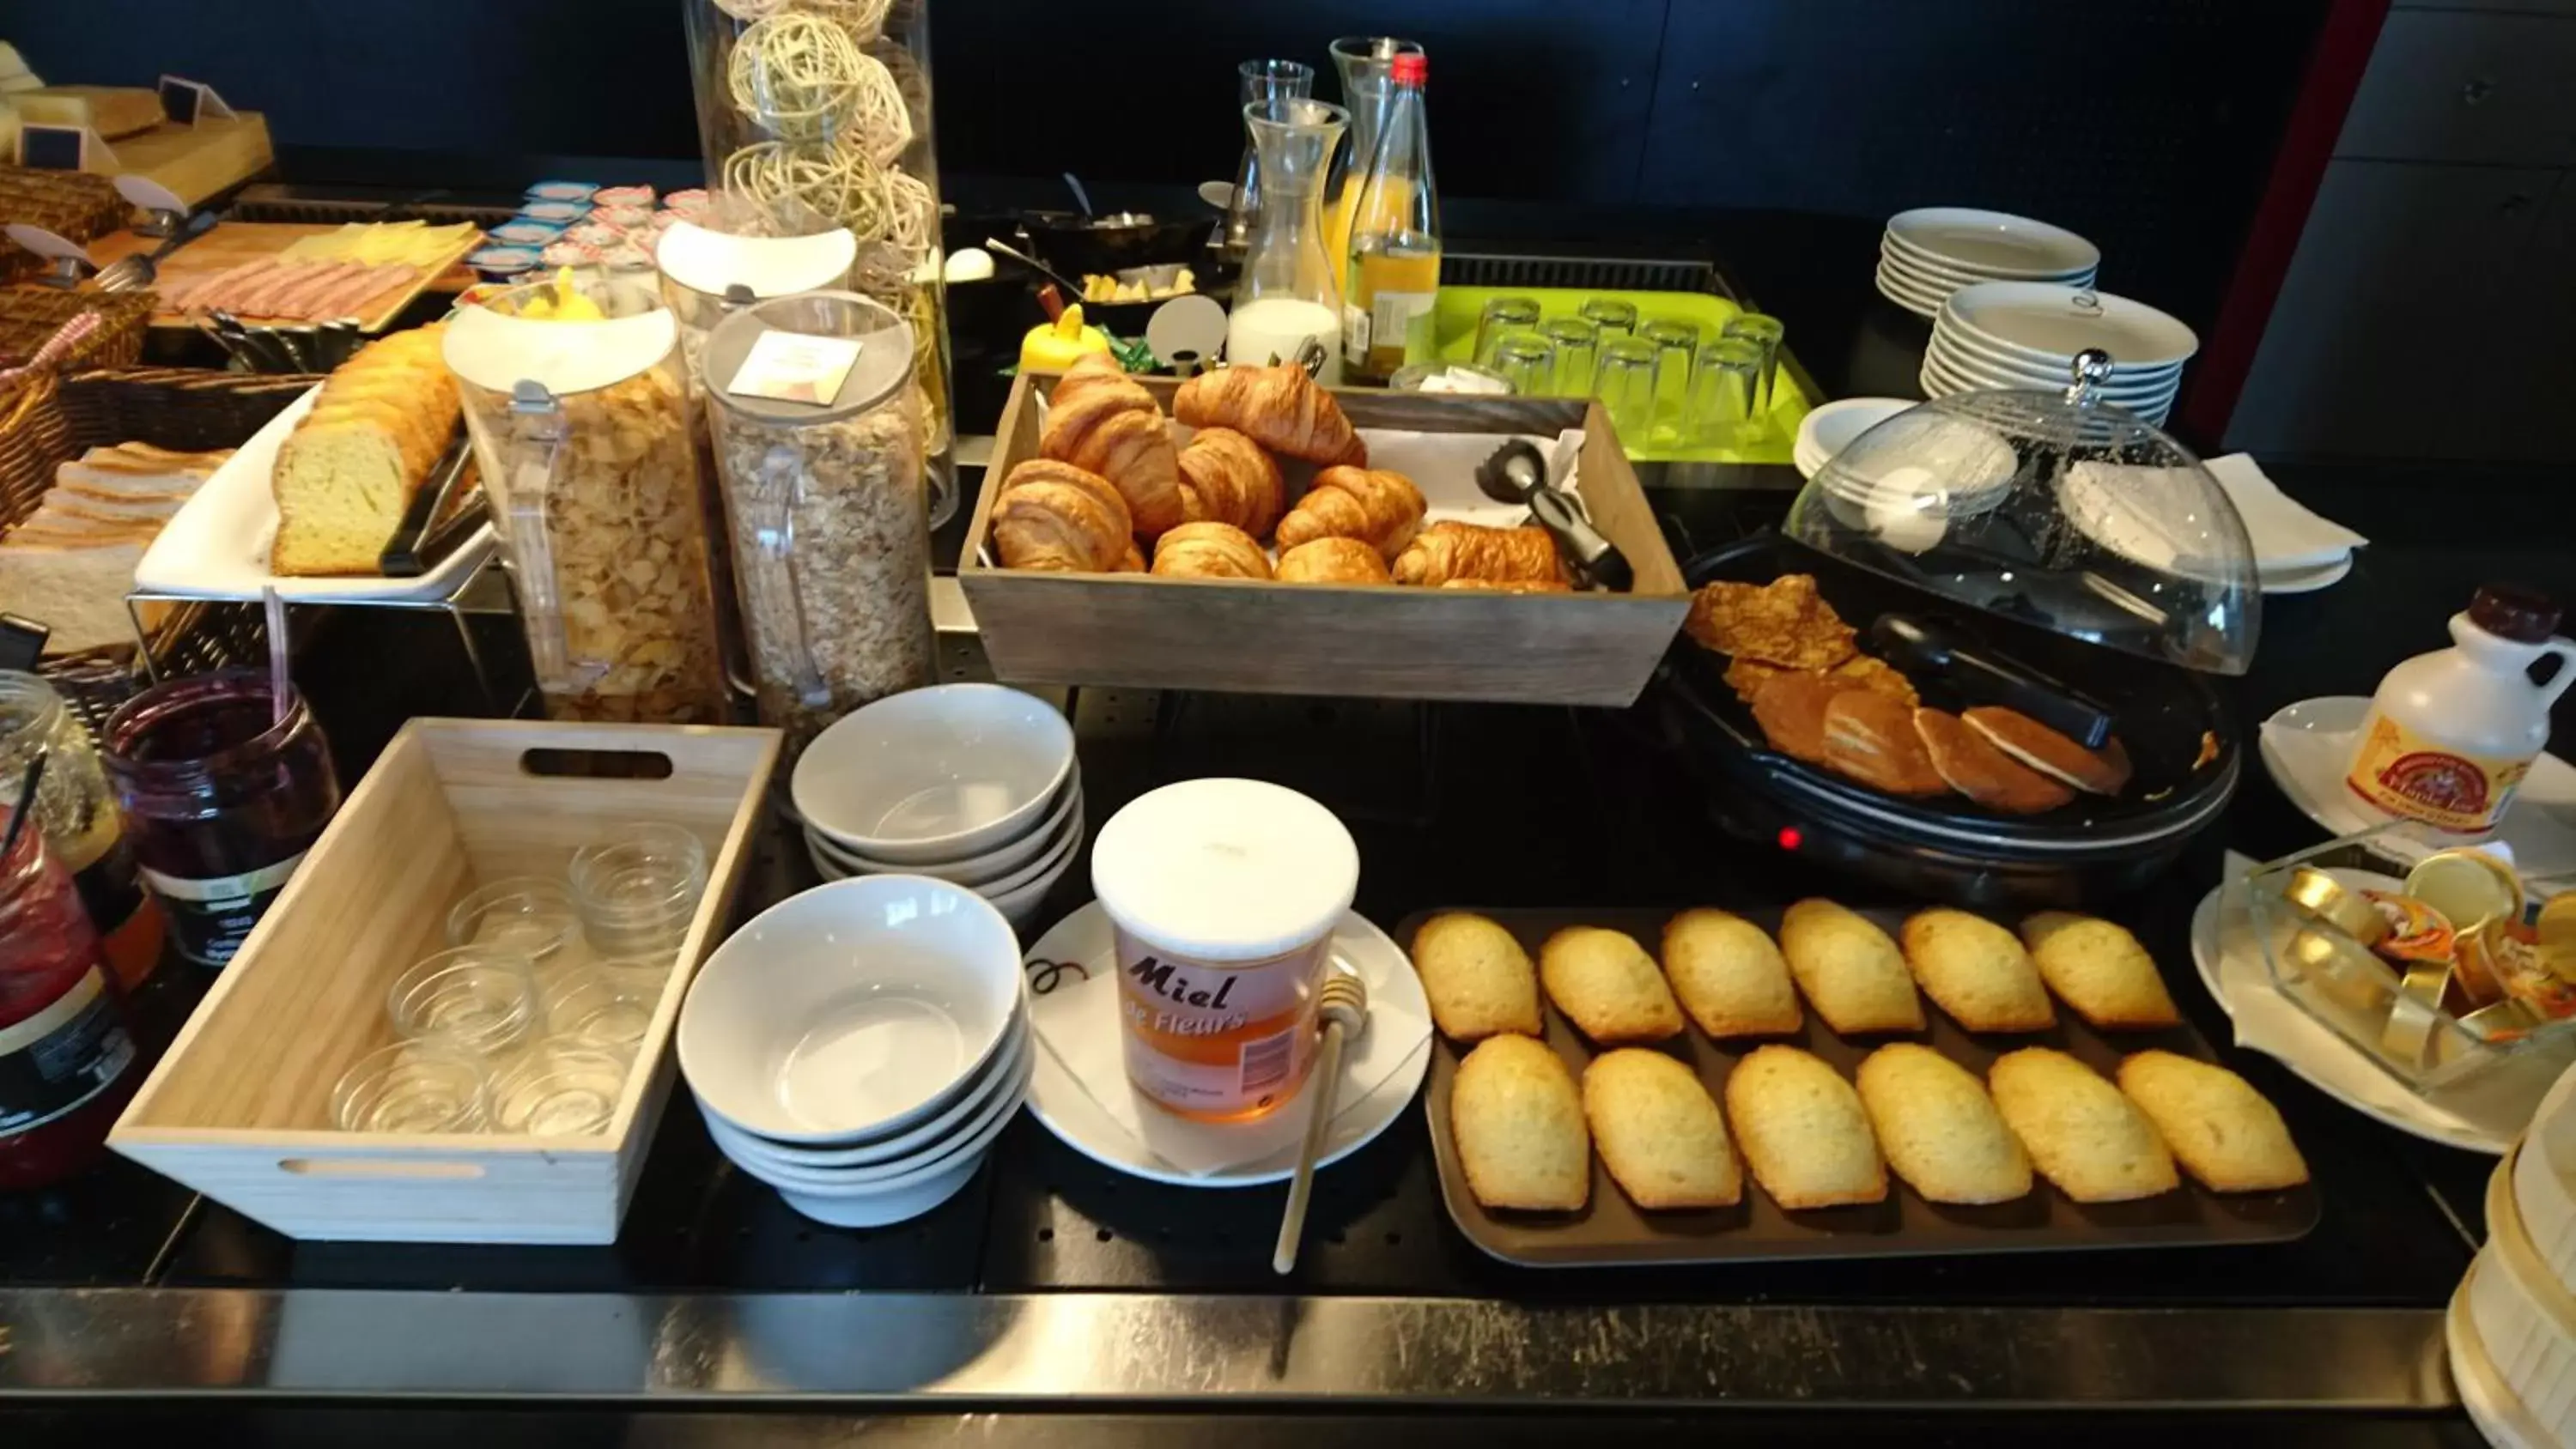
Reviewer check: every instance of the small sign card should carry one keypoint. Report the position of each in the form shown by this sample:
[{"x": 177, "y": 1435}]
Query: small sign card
[
  {"x": 795, "y": 367},
  {"x": 63, "y": 148},
  {"x": 187, "y": 102}
]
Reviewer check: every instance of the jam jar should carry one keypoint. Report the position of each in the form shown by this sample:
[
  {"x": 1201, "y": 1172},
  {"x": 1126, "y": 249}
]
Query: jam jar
[
  {"x": 80, "y": 821},
  {"x": 67, "y": 1061},
  {"x": 221, "y": 799}
]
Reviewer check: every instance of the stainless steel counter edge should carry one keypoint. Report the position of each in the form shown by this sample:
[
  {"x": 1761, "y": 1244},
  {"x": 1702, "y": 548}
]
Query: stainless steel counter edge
[{"x": 951, "y": 1350}]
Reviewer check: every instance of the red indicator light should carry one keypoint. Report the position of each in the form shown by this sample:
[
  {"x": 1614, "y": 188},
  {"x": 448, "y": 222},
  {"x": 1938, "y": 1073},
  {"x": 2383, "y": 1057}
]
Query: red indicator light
[{"x": 1790, "y": 838}]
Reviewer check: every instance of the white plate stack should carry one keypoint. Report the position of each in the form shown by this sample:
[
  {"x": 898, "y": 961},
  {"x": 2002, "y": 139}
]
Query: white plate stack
[
  {"x": 973, "y": 784},
  {"x": 1829, "y": 429},
  {"x": 1930, "y": 252},
  {"x": 2512, "y": 1325},
  {"x": 860, "y": 1046},
  {"x": 2027, "y": 335}
]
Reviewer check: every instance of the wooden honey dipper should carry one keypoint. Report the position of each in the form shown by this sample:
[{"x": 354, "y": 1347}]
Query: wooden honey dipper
[{"x": 1341, "y": 1004}]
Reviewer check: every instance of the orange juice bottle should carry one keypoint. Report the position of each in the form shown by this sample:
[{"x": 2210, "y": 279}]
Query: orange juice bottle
[
  {"x": 1223, "y": 896},
  {"x": 1394, "y": 234}
]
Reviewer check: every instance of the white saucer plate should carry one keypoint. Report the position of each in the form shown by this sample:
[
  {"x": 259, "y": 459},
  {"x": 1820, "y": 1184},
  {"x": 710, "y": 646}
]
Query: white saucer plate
[
  {"x": 1081, "y": 943},
  {"x": 2044, "y": 322},
  {"x": 2306, "y": 747},
  {"x": 1995, "y": 243},
  {"x": 2306, "y": 580},
  {"x": 1955, "y": 343},
  {"x": 2326, "y": 1061}
]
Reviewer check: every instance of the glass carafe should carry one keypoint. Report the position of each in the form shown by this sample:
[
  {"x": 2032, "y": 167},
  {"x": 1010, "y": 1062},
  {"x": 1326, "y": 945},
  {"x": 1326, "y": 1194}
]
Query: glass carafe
[
  {"x": 1287, "y": 297},
  {"x": 824, "y": 499},
  {"x": 1366, "y": 66},
  {"x": 577, "y": 402},
  {"x": 1261, "y": 81}
]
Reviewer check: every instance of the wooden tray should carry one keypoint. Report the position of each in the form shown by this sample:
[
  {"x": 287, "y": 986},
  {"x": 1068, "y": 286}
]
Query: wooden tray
[
  {"x": 1612, "y": 1232},
  {"x": 240, "y": 1108},
  {"x": 1378, "y": 642},
  {"x": 232, "y": 243}
]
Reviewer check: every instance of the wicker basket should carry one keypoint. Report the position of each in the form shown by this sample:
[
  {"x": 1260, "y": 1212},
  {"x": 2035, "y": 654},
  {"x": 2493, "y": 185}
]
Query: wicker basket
[
  {"x": 55, "y": 419},
  {"x": 74, "y": 205},
  {"x": 30, "y": 316}
]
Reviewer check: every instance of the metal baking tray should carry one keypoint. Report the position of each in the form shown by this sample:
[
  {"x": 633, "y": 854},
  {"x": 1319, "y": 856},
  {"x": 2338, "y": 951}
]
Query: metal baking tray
[{"x": 1611, "y": 1231}]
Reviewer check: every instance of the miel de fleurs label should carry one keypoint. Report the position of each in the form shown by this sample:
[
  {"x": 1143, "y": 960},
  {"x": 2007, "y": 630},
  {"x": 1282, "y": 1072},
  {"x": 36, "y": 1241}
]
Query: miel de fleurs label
[{"x": 1216, "y": 1039}]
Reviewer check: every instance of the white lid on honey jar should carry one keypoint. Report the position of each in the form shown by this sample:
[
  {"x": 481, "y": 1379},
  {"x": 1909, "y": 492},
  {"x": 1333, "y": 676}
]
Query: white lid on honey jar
[{"x": 1225, "y": 870}]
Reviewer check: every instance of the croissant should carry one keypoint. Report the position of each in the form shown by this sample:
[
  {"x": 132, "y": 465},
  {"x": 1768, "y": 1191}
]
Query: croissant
[
  {"x": 1332, "y": 561},
  {"x": 1210, "y": 550},
  {"x": 1281, "y": 408},
  {"x": 1453, "y": 550},
  {"x": 1226, "y": 477},
  {"x": 1090, "y": 370},
  {"x": 1133, "y": 560},
  {"x": 1111, "y": 426},
  {"x": 1378, "y": 507},
  {"x": 1055, "y": 516},
  {"x": 1512, "y": 586}
]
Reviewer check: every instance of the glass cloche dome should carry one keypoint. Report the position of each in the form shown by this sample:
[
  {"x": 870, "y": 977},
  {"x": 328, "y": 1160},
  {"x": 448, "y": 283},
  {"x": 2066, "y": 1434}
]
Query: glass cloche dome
[{"x": 2055, "y": 509}]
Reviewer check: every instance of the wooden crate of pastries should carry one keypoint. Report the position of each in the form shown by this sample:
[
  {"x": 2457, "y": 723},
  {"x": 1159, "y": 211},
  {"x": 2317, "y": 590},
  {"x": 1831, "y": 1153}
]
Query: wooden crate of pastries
[{"x": 1104, "y": 552}]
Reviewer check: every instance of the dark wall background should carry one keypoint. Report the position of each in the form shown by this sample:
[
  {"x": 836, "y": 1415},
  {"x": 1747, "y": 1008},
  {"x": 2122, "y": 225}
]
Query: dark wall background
[{"x": 2148, "y": 125}]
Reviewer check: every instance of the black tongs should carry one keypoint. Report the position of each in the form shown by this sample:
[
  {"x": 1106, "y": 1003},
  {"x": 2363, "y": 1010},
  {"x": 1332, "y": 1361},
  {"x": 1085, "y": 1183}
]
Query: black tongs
[
  {"x": 1914, "y": 644},
  {"x": 1518, "y": 474},
  {"x": 436, "y": 523}
]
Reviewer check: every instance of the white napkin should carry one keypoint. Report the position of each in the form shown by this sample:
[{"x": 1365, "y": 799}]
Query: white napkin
[
  {"x": 2287, "y": 535},
  {"x": 1443, "y": 466},
  {"x": 1078, "y": 1026},
  {"x": 2269, "y": 1023}
]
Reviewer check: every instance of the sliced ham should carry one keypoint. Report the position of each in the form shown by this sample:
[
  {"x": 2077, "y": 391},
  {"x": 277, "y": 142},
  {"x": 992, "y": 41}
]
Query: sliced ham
[{"x": 361, "y": 298}]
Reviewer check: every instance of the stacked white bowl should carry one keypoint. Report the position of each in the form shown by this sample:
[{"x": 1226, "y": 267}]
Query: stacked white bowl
[
  {"x": 1930, "y": 252},
  {"x": 860, "y": 1046},
  {"x": 2027, "y": 335},
  {"x": 973, "y": 784},
  {"x": 2512, "y": 1325}
]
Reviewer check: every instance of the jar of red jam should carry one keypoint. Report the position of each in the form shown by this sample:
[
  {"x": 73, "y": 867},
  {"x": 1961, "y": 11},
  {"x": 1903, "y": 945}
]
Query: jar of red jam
[
  {"x": 67, "y": 1062},
  {"x": 80, "y": 821},
  {"x": 221, "y": 799}
]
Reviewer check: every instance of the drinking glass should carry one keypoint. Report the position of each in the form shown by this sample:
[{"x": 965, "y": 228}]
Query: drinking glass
[
  {"x": 410, "y": 1087},
  {"x": 1764, "y": 332},
  {"x": 1625, "y": 384},
  {"x": 478, "y": 1000},
  {"x": 557, "y": 1091},
  {"x": 1502, "y": 317},
  {"x": 1575, "y": 341},
  {"x": 529, "y": 914},
  {"x": 588, "y": 1008},
  {"x": 1725, "y": 389},
  {"x": 1527, "y": 362},
  {"x": 1613, "y": 317},
  {"x": 638, "y": 890},
  {"x": 1676, "y": 347}
]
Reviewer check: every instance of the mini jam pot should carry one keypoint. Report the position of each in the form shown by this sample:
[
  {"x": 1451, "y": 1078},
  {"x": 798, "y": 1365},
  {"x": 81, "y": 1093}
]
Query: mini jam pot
[{"x": 221, "y": 800}]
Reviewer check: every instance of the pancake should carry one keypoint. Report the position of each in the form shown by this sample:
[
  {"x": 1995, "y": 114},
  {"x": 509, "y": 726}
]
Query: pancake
[
  {"x": 1983, "y": 773},
  {"x": 1791, "y": 710},
  {"x": 1783, "y": 622},
  {"x": 1871, "y": 738},
  {"x": 2096, "y": 772}
]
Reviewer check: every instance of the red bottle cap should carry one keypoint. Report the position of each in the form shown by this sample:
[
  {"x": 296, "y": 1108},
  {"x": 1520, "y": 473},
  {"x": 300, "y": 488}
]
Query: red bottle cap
[
  {"x": 2507, "y": 611},
  {"x": 1410, "y": 68}
]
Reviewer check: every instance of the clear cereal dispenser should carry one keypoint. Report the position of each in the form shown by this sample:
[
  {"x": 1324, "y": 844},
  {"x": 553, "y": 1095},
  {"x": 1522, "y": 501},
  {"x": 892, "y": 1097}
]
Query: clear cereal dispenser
[
  {"x": 823, "y": 472},
  {"x": 577, "y": 402}
]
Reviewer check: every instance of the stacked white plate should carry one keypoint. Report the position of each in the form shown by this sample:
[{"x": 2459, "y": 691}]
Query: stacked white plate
[
  {"x": 860, "y": 1046},
  {"x": 2027, "y": 335},
  {"x": 1930, "y": 252},
  {"x": 973, "y": 784},
  {"x": 1829, "y": 429}
]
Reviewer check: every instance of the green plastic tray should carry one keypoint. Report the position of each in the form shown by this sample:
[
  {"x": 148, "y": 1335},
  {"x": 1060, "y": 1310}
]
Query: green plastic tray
[{"x": 1453, "y": 339}]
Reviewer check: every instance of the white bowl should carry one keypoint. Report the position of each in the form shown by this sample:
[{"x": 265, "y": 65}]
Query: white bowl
[
  {"x": 966, "y": 1145},
  {"x": 974, "y": 870},
  {"x": 1016, "y": 905},
  {"x": 915, "y": 1145},
  {"x": 884, "y": 1209},
  {"x": 937, "y": 774},
  {"x": 851, "y": 1011},
  {"x": 1829, "y": 429}
]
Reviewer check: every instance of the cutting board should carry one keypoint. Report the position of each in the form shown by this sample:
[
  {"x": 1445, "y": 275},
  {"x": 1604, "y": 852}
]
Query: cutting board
[{"x": 233, "y": 243}]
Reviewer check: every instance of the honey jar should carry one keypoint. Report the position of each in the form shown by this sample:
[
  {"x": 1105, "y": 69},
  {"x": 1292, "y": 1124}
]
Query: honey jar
[{"x": 1223, "y": 895}]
